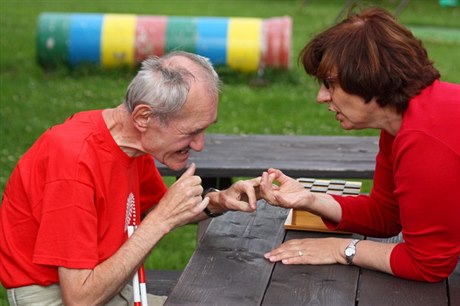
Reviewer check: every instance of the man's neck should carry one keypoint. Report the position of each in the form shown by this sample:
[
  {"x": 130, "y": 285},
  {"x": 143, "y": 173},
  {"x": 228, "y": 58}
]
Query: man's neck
[{"x": 119, "y": 125}]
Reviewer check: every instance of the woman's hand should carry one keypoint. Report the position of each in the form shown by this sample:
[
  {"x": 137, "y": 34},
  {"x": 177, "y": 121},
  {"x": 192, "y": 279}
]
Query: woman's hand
[
  {"x": 288, "y": 193},
  {"x": 310, "y": 251},
  {"x": 320, "y": 251}
]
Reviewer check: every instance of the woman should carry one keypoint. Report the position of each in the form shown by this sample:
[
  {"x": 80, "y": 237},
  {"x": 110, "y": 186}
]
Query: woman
[{"x": 375, "y": 74}]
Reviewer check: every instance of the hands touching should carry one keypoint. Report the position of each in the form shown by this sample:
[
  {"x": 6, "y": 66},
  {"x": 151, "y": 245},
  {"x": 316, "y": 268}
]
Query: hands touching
[
  {"x": 183, "y": 203},
  {"x": 289, "y": 193},
  {"x": 241, "y": 196},
  {"x": 292, "y": 194}
]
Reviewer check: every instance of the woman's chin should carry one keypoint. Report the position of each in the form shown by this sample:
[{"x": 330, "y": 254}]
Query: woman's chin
[{"x": 345, "y": 126}]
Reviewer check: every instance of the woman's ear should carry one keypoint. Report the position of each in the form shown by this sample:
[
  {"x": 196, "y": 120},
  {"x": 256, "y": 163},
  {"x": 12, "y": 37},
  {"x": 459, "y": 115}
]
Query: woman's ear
[{"x": 142, "y": 115}]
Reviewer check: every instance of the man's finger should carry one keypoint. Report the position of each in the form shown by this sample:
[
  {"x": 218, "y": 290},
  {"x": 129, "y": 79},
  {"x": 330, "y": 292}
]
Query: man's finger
[
  {"x": 189, "y": 172},
  {"x": 252, "y": 198},
  {"x": 200, "y": 207},
  {"x": 256, "y": 181}
]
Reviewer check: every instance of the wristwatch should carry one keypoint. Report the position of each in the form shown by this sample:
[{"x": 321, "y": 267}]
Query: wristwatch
[
  {"x": 206, "y": 210},
  {"x": 350, "y": 251}
]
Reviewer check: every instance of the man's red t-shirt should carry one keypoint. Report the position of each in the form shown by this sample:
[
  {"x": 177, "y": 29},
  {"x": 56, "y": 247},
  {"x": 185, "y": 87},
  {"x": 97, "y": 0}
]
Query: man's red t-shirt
[{"x": 69, "y": 200}]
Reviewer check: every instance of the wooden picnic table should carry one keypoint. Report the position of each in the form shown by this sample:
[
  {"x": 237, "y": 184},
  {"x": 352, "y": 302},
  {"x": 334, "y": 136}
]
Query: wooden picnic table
[
  {"x": 228, "y": 268},
  {"x": 227, "y": 156}
]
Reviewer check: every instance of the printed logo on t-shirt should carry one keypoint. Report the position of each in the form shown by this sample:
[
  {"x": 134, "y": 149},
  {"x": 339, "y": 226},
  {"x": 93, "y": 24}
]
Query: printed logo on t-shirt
[{"x": 130, "y": 218}]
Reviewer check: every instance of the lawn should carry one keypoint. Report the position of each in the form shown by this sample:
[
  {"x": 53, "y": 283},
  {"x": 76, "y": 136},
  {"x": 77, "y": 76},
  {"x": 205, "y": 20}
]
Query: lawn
[{"x": 32, "y": 99}]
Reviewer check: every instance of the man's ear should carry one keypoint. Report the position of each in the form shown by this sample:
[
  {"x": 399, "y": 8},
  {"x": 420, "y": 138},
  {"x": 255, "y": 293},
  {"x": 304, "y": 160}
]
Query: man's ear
[{"x": 142, "y": 115}]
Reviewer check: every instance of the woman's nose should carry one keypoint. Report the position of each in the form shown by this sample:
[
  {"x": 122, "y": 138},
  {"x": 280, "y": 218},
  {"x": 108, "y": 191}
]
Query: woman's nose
[{"x": 324, "y": 95}]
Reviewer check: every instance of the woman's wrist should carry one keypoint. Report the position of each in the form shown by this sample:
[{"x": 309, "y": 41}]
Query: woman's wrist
[
  {"x": 311, "y": 201},
  {"x": 325, "y": 206}
]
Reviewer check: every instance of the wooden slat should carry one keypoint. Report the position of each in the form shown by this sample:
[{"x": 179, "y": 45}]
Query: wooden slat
[
  {"x": 312, "y": 285},
  {"x": 454, "y": 286},
  {"x": 228, "y": 267},
  {"x": 310, "y": 156},
  {"x": 377, "y": 288},
  {"x": 161, "y": 282}
]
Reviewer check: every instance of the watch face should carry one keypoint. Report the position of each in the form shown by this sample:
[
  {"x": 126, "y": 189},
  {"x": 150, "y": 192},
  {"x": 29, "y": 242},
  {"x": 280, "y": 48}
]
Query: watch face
[{"x": 349, "y": 252}]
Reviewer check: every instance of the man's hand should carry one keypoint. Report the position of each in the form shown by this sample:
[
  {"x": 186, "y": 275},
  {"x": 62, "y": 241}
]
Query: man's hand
[
  {"x": 182, "y": 202},
  {"x": 241, "y": 196}
]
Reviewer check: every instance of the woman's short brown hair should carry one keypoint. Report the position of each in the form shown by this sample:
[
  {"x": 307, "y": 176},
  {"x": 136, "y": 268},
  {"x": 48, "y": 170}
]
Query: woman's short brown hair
[{"x": 373, "y": 56}]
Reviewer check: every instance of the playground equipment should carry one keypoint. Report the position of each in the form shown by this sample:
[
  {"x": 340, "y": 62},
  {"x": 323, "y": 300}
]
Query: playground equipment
[{"x": 113, "y": 40}]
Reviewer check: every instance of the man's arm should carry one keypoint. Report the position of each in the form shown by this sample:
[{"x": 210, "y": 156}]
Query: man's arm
[
  {"x": 181, "y": 203},
  {"x": 99, "y": 285}
]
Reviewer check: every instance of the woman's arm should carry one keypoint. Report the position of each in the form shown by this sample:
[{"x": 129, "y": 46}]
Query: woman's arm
[{"x": 369, "y": 254}]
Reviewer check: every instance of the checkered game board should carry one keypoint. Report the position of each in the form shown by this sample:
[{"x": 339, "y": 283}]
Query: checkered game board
[
  {"x": 305, "y": 221},
  {"x": 338, "y": 187}
]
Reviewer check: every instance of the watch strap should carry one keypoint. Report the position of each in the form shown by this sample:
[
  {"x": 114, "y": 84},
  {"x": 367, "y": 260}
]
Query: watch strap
[
  {"x": 206, "y": 210},
  {"x": 350, "y": 251}
]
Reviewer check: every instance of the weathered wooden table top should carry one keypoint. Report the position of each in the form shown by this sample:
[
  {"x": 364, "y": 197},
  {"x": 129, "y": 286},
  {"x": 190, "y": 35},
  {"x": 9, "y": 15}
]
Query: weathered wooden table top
[
  {"x": 298, "y": 156},
  {"x": 228, "y": 268}
]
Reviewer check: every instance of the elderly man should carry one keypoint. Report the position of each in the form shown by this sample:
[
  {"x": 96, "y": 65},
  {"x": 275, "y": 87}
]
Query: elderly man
[{"x": 71, "y": 199}]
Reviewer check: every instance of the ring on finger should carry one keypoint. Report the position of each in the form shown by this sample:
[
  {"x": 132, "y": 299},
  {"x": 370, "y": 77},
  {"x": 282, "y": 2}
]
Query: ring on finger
[{"x": 300, "y": 253}]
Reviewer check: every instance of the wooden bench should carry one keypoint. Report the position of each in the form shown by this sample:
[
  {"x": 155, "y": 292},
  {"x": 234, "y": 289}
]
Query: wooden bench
[{"x": 227, "y": 156}]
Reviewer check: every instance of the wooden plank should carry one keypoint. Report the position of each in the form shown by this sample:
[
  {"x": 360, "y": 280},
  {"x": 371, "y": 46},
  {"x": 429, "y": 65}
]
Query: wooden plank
[
  {"x": 377, "y": 288},
  {"x": 454, "y": 286},
  {"x": 298, "y": 156},
  {"x": 161, "y": 282},
  {"x": 312, "y": 284},
  {"x": 228, "y": 267}
]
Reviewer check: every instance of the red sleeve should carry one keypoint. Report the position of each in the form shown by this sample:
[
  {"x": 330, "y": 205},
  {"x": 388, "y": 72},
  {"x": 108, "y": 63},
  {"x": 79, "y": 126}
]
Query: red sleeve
[
  {"x": 376, "y": 215},
  {"x": 67, "y": 226},
  {"x": 428, "y": 193},
  {"x": 152, "y": 186},
  {"x": 425, "y": 204}
]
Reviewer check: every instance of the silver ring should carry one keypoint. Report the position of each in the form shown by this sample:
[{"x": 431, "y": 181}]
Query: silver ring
[{"x": 300, "y": 253}]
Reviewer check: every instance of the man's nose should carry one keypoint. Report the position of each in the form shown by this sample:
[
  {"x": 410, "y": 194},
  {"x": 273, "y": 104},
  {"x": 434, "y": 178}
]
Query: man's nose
[{"x": 197, "y": 143}]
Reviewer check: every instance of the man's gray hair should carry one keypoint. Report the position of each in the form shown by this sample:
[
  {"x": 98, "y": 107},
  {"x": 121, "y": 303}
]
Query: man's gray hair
[{"x": 164, "y": 86}]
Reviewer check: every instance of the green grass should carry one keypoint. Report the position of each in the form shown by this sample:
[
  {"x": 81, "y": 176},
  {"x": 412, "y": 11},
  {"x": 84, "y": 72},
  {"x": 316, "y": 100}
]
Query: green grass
[{"x": 31, "y": 99}]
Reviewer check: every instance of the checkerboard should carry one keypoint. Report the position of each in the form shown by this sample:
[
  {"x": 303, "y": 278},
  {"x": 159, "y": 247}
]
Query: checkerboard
[
  {"x": 305, "y": 221},
  {"x": 338, "y": 187}
]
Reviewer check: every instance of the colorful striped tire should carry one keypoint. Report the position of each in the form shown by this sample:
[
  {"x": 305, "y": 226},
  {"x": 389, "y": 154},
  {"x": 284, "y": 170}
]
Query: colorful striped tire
[{"x": 114, "y": 40}]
